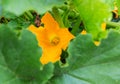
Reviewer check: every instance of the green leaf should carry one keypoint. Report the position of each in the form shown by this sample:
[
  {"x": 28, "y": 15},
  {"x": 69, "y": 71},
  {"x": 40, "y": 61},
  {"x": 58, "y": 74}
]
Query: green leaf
[
  {"x": 90, "y": 64},
  {"x": 118, "y": 4},
  {"x": 110, "y": 3},
  {"x": 93, "y": 14},
  {"x": 19, "y": 6},
  {"x": 19, "y": 59}
]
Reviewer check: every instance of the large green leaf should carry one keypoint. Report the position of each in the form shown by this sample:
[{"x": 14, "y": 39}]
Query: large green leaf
[
  {"x": 93, "y": 14},
  {"x": 20, "y": 6},
  {"x": 89, "y": 64},
  {"x": 19, "y": 59}
]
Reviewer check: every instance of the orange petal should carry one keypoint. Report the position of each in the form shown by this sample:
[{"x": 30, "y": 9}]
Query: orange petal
[
  {"x": 115, "y": 10},
  {"x": 33, "y": 29},
  {"x": 116, "y": 13},
  {"x": 65, "y": 37},
  {"x": 41, "y": 35},
  {"x": 49, "y": 22},
  {"x": 50, "y": 54}
]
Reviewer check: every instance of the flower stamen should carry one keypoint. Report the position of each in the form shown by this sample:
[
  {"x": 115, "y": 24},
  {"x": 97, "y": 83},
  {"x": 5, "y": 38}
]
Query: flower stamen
[{"x": 55, "y": 41}]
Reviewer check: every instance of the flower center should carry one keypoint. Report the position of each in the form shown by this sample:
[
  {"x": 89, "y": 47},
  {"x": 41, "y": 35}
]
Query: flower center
[{"x": 55, "y": 41}]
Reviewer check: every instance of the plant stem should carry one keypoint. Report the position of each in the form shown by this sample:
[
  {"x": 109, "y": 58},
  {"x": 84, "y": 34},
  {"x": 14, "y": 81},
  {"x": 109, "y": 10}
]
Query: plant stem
[
  {"x": 113, "y": 24},
  {"x": 57, "y": 16}
]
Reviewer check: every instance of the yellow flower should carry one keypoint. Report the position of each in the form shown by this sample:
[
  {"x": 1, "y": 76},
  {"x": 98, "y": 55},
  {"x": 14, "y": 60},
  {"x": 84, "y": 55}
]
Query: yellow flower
[
  {"x": 97, "y": 43},
  {"x": 103, "y": 25},
  {"x": 51, "y": 38},
  {"x": 83, "y": 32}
]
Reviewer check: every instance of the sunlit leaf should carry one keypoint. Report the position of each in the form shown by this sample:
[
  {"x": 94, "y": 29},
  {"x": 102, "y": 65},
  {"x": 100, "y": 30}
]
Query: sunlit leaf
[{"x": 93, "y": 14}]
